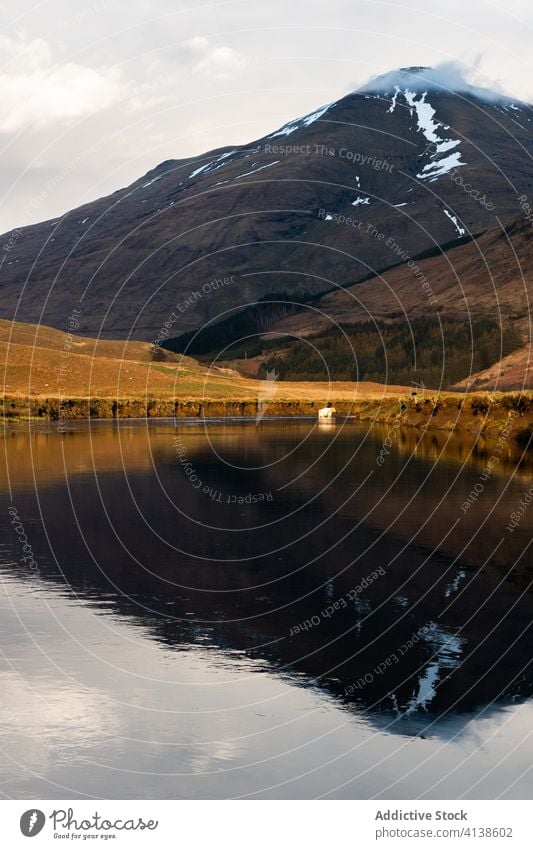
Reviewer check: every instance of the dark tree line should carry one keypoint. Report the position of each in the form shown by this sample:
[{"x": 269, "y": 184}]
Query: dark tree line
[
  {"x": 240, "y": 331},
  {"x": 427, "y": 351}
]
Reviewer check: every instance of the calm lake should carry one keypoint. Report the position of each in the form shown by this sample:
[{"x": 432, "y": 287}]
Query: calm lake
[{"x": 282, "y": 610}]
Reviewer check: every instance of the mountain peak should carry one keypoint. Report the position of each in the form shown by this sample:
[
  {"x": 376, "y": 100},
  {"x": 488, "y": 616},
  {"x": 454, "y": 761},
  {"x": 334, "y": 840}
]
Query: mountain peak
[
  {"x": 446, "y": 78},
  {"x": 415, "y": 69}
]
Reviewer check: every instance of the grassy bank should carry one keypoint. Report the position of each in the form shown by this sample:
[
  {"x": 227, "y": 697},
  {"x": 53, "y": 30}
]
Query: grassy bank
[{"x": 491, "y": 415}]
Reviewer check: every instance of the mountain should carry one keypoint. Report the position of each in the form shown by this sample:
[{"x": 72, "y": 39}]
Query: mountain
[{"x": 400, "y": 167}]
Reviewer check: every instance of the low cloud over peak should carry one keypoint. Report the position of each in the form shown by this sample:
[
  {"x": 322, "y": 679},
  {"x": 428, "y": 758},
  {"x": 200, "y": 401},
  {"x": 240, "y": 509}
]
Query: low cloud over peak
[{"x": 445, "y": 77}]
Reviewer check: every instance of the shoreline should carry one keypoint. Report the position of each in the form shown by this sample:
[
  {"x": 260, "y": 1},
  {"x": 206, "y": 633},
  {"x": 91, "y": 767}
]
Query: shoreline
[{"x": 483, "y": 413}]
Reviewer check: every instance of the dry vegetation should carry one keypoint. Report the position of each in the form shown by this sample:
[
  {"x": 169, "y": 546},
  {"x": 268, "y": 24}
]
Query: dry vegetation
[{"x": 40, "y": 362}]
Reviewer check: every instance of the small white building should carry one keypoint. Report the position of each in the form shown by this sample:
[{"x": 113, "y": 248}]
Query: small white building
[{"x": 327, "y": 412}]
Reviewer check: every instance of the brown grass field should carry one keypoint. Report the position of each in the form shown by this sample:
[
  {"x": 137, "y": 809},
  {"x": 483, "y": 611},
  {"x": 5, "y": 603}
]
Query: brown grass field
[{"x": 38, "y": 361}]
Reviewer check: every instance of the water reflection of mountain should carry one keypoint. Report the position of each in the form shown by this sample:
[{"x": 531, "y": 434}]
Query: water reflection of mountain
[{"x": 356, "y": 587}]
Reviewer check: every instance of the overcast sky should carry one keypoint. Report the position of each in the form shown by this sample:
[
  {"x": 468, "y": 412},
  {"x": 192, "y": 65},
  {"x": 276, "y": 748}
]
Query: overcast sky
[{"x": 94, "y": 93}]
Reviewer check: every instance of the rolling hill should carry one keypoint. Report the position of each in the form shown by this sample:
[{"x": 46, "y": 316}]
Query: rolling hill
[{"x": 41, "y": 362}]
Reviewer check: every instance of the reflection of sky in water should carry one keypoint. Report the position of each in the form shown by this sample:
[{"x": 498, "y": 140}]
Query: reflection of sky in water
[{"x": 104, "y": 706}]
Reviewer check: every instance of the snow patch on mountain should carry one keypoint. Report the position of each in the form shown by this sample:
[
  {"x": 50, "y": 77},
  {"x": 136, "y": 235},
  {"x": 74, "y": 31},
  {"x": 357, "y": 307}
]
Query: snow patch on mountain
[
  {"x": 256, "y": 170},
  {"x": 149, "y": 183},
  {"x": 425, "y": 114},
  {"x": 455, "y": 222},
  {"x": 432, "y": 130},
  {"x": 213, "y": 165},
  {"x": 392, "y": 107},
  {"x": 439, "y": 167},
  {"x": 306, "y": 121}
]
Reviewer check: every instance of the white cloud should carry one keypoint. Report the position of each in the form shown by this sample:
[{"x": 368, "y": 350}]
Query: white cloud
[
  {"x": 198, "y": 44},
  {"x": 216, "y": 62},
  {"x": 193, "y": 64},
  {"x": 36, "y": 91}
]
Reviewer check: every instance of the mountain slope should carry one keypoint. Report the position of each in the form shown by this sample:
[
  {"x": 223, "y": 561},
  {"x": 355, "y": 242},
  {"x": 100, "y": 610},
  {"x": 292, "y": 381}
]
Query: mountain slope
[
  {"x": 491, "y": 275},
  {"x": 514, "y": 372},
  {"x": 393, "y": 157},
  {"x": 441, "y": 317}
]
